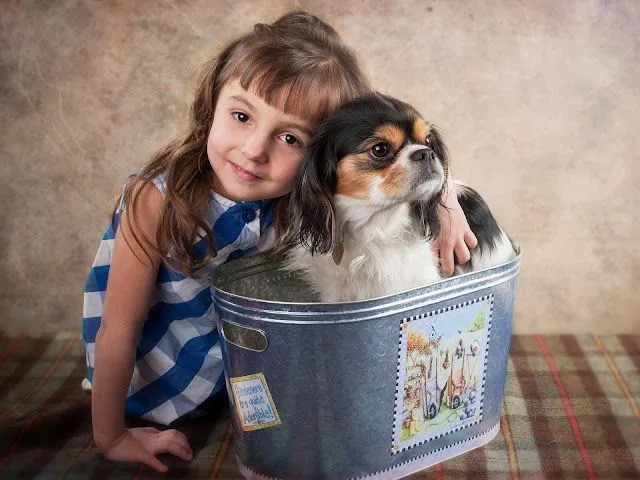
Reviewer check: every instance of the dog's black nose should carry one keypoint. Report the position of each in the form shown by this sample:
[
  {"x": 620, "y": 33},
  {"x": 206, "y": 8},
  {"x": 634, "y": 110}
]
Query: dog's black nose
[{"x": 423, "y": 155}]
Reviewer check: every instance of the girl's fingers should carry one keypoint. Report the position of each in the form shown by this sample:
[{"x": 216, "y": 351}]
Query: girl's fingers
[
  {"x": 462, "y": 253},
  {"x": 173, "y": 442},
  {"x": 470, "y": 239},
  {"x": 172, "y": 447},
  {"x": 181, "y": 451},
  {"x": 151, "y": 461},
  {"x": 178, "y": 437},
  {"x": 446, "y": 261}
]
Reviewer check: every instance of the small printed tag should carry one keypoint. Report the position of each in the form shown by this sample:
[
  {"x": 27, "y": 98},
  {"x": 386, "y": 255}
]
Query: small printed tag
[{"x": 254, "y": 404}]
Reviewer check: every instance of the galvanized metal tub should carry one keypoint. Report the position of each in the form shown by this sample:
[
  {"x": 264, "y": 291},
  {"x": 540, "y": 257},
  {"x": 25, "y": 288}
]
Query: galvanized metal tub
[{"x": 379, "y": 388}]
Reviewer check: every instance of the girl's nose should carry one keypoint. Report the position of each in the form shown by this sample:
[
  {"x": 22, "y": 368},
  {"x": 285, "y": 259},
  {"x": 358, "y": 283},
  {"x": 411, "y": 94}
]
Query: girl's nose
[{"x": 255, "y": 147}]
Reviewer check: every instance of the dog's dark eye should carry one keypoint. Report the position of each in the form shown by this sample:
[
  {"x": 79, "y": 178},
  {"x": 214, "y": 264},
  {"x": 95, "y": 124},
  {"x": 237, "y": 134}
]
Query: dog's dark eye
[
  {"x": 427, "y": 141},
  {"x": 380, "y": 150}
]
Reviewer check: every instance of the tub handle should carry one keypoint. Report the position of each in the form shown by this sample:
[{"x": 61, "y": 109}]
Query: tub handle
[{"x": 244, "y": 337}]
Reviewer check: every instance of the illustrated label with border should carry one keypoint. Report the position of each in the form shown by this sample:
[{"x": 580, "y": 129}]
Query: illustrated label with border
[
  {"x": 441, "y": 372},
  {"x": 253, "y": 402}
]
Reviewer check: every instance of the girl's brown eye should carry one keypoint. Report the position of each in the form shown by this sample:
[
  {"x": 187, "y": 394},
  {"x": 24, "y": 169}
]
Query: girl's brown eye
[
  {"x": 380, "y": 150},
  {"x": 290, "y": 139},
  {"x": 241, "y": 117}
]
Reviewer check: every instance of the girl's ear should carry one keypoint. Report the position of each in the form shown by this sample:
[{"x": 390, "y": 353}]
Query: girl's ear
[{"x": 311, "y": 213}]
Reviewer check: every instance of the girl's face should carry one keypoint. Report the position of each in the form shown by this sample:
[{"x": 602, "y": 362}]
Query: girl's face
[{"x": 254, "y": 148}]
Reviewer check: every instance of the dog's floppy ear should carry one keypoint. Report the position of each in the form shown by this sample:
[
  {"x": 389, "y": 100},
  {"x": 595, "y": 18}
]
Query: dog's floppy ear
[
  {"x": 439, "y": 148},
  {"x": 310, "y": 216},
  {"x": 426, "y": 213}
]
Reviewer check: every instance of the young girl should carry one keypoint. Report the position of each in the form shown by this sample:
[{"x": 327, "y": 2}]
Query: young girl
[{"x": 208, "y": 197}]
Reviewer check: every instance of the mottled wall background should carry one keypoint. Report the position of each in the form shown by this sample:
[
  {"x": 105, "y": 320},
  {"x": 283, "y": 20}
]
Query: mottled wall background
[{"x": 538, "y": 102}]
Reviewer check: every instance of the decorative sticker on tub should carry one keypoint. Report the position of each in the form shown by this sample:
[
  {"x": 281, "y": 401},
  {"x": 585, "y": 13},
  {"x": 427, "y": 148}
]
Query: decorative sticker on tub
[
  {"x": 441, "y": 371},
  {"x": 253, "y": 402}
]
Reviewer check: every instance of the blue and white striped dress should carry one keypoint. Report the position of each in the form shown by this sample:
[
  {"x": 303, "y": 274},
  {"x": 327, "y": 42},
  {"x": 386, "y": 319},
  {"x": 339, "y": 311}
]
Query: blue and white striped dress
[{"x": 178, "y": 358}]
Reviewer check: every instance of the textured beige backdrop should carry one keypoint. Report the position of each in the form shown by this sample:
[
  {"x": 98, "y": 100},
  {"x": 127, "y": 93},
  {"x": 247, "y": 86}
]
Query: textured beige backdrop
[{"x": 539, "y": 103}]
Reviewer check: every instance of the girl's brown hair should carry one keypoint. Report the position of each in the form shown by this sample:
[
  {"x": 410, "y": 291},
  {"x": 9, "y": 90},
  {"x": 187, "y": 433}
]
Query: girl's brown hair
[{"x": 298, "y": 64}]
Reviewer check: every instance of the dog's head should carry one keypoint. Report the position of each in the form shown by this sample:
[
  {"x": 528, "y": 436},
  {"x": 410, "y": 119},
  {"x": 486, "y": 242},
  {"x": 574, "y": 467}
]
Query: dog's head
[{"x": 371, "y": 154}]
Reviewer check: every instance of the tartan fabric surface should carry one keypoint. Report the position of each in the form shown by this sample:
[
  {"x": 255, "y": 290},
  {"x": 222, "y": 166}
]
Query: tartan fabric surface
[{"x": 571, "y": 410}]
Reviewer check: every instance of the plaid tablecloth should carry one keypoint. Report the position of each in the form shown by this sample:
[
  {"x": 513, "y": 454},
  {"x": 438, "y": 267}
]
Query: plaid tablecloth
[{"x": 571, "y": 411}]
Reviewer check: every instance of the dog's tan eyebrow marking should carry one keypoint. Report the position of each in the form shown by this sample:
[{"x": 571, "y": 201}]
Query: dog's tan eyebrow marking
[
  {"x": 353, "y": 181},
  {"x": 420, "y": 130},
  {"x": 392, "y": 134}
]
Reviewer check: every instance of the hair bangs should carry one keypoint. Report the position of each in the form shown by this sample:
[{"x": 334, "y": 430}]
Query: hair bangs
[{"x": 309, "y": 95}]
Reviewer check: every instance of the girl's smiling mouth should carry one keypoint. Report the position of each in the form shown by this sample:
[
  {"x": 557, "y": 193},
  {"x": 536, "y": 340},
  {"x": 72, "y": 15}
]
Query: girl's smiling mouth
[{"x": 244, "y": 174}]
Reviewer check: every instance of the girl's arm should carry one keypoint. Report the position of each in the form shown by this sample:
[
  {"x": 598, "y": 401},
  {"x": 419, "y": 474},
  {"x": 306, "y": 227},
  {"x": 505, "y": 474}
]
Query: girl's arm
[
  {"x": 455, "y": 234},
  {"x": 131, "y": 281}
]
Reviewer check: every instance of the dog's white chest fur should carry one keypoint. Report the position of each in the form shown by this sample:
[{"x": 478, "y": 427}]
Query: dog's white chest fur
[{"x": 383, "y": 256}]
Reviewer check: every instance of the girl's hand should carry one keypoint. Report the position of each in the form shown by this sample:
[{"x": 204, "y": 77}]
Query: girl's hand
[
  {"x": 141, "y": 445},
  {"x": 455, "y": 234}
]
